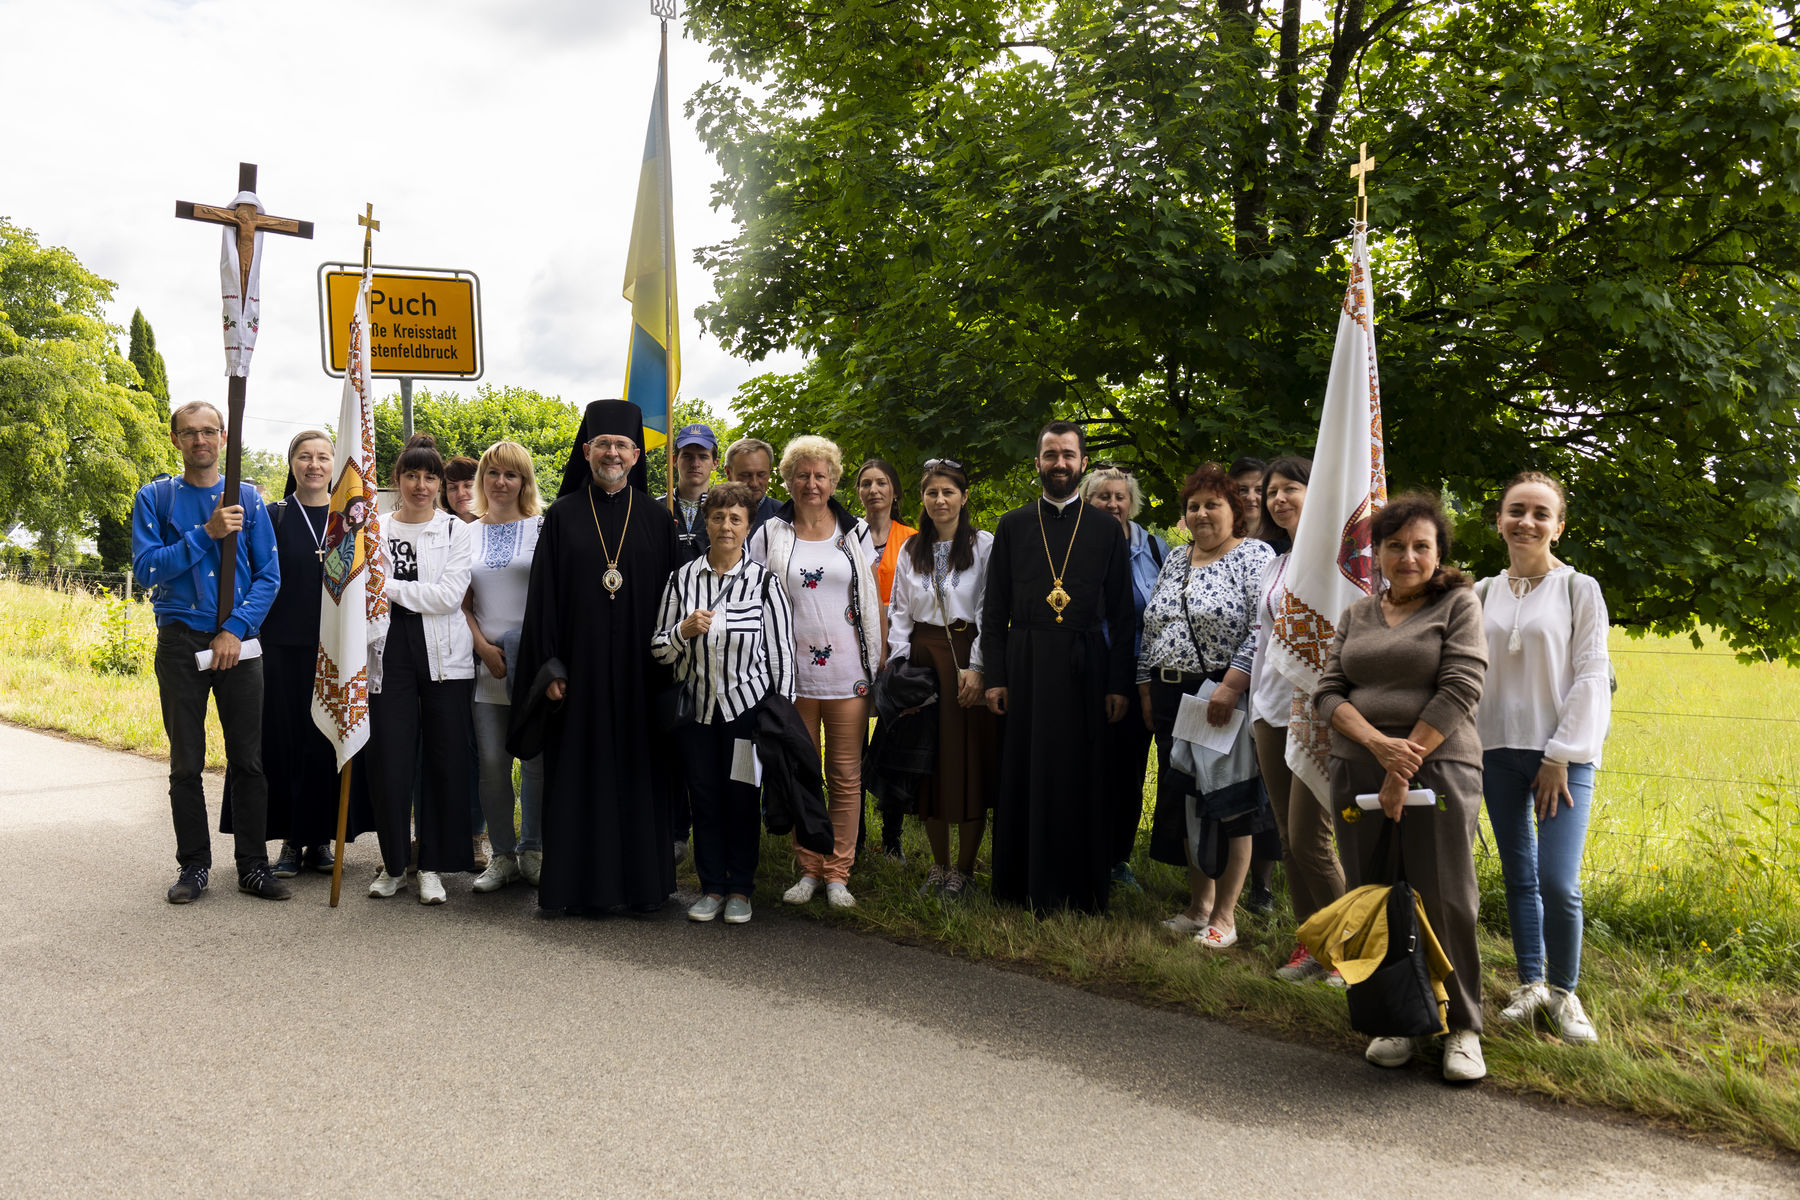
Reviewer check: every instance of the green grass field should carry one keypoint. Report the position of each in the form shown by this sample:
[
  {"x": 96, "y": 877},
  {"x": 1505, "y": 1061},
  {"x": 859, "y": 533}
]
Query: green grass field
[{"x": 1692, "y": 970}]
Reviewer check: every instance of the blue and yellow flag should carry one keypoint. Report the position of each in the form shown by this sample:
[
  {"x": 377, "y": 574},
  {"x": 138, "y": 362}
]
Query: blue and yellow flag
[{"x": 653, "y": 363}]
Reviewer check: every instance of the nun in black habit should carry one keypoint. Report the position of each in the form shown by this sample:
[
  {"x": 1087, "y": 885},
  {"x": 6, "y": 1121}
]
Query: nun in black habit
[{"x": 583, "y": 684}]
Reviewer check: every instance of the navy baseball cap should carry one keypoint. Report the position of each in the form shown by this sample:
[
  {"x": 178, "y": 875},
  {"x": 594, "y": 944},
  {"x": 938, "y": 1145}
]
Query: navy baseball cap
[{"x": 696, "y": 435}]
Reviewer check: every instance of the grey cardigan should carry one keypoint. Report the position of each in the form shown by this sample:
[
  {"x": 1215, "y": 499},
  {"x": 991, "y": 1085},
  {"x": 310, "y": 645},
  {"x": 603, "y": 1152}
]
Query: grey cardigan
[{"x": 1428, "y": 668}]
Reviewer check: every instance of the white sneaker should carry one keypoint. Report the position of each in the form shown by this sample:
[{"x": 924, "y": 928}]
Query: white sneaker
[
  {"x": 706, "y": 908},
  {"x": 385, "y": 885},
  {"x": 502, "y": 869},
  {"x": 531, "y": 866},
  {"x": 838, "y": 896},
  {"x": 1462, "y": 1057},
  {"x": 1390, "y": 1051},
  {"x": 431, "y": 888},
  {"x": 1525, "y": 1001},
  {"x": 801, "y": 892},
  {"x": 1572, "y": 1024}
]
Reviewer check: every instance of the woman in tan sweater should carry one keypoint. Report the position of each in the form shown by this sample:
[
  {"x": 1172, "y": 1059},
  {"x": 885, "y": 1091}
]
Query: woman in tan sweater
[{"x": 1400, "y": 691}]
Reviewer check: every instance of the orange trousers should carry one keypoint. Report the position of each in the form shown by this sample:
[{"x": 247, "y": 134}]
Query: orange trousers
[{"x": 845, "y": 726}]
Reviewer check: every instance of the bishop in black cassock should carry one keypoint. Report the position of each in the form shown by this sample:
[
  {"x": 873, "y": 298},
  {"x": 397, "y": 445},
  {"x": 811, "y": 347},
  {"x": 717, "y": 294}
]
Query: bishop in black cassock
[
  {"x": 603, "y": 555},
  {"x": 1051, "y": 845}
]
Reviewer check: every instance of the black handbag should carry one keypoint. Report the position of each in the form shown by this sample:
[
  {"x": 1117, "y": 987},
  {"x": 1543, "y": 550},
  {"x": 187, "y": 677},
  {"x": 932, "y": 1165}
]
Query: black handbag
[
  {"x": 1397, "y": 1000},
  {"x": 673, "y": 707}
]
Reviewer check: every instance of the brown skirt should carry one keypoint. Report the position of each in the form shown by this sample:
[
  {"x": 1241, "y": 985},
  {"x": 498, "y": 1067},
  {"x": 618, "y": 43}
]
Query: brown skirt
[{"x": 966, "y": 742}]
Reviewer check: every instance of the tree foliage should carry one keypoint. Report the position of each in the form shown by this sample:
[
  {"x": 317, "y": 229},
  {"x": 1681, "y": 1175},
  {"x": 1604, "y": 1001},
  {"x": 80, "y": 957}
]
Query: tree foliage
[
  {"x": 974, "y": 215},
  {"x": 112, "y": 534},
  {"x": 76, "y": 436}
]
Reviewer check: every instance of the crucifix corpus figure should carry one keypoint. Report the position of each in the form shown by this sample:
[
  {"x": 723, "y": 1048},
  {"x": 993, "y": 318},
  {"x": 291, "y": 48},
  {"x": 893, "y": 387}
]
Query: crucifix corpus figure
[{"x": 240, "y": 267}]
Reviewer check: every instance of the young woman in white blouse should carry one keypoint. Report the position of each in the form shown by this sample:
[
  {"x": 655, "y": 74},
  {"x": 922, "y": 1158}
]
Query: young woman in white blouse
[
  {"x": 420, "y": 684},
  {"x": 1543, "y": 718},
  {"x": 939, "y": 581},
  {"x": 505, "y": 536}
]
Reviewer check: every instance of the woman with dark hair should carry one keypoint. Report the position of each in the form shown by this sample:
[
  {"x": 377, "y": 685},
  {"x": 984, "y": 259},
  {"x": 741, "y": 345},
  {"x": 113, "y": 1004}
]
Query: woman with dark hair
[
  {"x": 460, "y": 487},
  {"x": 726, "y": 627},
  {"x": 1545, "y": 708},
  {"x": 1247, "y": 476},
  {"x": 938, "y": 591},
  {"x": 1198, "y": 628},
  {"x": 878, "y": 490},
  {"x": 1302, "y": 819},
  {"x": 1400, "y": 691},
  {"x": 421, "y": 684}
]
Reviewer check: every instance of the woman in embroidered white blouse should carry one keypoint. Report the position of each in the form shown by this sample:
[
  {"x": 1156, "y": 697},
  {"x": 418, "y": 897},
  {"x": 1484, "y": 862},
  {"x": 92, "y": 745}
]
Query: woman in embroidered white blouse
[
  {"x": 939, "y": 581},
  {"x": 1544, "y": 713}
]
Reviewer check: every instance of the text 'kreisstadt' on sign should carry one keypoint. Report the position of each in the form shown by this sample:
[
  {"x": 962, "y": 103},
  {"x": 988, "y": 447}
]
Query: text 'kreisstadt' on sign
[{"x": 423, "y": 323}]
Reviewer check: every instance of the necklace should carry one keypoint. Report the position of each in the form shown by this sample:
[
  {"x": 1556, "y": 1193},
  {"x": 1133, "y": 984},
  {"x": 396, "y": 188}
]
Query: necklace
[
  {"x": 612, "y": 580},
  {"x": 318, "y": 533},
  {"x": 1058, "y": 599}
]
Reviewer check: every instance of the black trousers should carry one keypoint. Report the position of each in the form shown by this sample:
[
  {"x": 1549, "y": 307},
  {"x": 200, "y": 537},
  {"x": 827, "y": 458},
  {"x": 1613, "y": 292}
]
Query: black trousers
[
  {"x": 727, "y": 816},
  {"x": 414, "y": 720},
  {"x": 239, "y": 694},
  {"x": 1129, "y": 756}
]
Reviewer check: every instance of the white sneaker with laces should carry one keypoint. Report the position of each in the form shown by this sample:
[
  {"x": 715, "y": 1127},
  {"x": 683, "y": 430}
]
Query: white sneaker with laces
[
  {"x": 431, "y": 888},
  {"x": 531, "y": 866},
  {"x": 1525, "y": 1000},
  {"x": 1572, "y": 1024},
  {"x": 1462, "y": 1057},
  {"x": 838, "y": 895},
  {"x": 502, "y": 869},
  {"x": 1390, "y": 1051},
  {"x": 802, "y": 891},
  {"x": 385, "y": 885}
]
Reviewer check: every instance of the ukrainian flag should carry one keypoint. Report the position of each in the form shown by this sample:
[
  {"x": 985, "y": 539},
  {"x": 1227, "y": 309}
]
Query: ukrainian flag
[{"x": 653, "y": 363}]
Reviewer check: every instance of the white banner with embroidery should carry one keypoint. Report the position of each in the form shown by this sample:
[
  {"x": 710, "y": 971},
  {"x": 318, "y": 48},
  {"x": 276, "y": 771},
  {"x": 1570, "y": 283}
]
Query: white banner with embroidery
[
  {"x": 353, "y": 613},
  {"x": 1333, "y": 563}
]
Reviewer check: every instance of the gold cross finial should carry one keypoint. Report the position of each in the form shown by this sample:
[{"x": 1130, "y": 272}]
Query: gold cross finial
[
  {"x": 1359, "y": 171},
  {"x": 370, "y": 227}
]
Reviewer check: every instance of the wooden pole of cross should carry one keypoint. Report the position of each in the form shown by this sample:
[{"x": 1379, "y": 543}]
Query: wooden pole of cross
[
  {"x": 249, "y": 223},
  {"x": 1359, "y": 171}
]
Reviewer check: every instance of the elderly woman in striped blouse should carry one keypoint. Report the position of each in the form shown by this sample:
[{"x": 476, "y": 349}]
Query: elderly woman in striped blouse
[{"x": 727, "y": 629}]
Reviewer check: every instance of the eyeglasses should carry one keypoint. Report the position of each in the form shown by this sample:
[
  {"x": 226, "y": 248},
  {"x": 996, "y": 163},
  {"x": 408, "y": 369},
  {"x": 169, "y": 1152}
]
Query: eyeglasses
[
  {"x": 195, "y": 435},
  {"x": 932, "y": 464}
]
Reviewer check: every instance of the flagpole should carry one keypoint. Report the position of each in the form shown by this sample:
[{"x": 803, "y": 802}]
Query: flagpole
[
  {"x": 664, "y": 9},
  {"x": 337, "y": 863}
]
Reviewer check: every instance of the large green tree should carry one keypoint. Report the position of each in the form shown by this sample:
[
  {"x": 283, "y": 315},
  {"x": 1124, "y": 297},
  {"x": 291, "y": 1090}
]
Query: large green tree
[
  {"x": 113, "y": 531},
  {"x": 76, "y": 436},
  {"x": 973, "y": 215}
]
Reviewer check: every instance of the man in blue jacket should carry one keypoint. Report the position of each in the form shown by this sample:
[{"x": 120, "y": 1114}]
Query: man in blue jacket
[{"x": 176, "y": 528}]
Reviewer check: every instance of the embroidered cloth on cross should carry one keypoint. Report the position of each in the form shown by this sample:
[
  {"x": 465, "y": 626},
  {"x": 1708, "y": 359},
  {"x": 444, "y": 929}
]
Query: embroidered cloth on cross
[
  {"x": 1333, "y": 563},
  {"x": 242, "y": 304}
]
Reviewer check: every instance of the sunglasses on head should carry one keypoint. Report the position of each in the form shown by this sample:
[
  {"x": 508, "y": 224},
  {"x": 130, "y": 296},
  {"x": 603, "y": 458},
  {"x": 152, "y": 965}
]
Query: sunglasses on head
[{"x": 932, "y": 464}]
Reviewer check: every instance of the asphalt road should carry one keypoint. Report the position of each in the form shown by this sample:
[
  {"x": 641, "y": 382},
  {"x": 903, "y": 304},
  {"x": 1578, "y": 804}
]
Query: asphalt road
[{"x": 479, "y": 1048}]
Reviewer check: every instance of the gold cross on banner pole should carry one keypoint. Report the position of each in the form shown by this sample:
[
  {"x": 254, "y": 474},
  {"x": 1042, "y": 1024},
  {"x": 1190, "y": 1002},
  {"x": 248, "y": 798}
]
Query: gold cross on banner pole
[
  {"x": 370, "y": 228},
  {"x": 1359, "y": 171}
]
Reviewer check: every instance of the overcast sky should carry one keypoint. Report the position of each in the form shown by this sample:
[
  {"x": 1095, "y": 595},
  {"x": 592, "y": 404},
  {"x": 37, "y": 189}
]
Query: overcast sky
[{"x": 502, "y": 138}]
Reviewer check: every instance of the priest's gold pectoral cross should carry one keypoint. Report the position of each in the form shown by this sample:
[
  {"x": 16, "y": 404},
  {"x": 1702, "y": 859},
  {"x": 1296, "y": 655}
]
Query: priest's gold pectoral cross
[
  {"x": 1359, "y": 171},
  {"x": 249, "y": 222}
]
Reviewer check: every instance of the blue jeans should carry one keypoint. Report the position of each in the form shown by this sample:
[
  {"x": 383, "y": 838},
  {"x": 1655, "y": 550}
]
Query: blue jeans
[
  {"x": 496, "y": 791},
  {"x": 1541, "y": 861}
]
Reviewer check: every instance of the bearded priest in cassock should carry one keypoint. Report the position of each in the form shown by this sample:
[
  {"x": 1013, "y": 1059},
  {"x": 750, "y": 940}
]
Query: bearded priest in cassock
[
  {"x": 584, "y": 677},
  {"x": 1058, "y": 578}
]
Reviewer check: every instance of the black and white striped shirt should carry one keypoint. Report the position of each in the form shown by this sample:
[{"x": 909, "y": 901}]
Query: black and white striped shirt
[{"x": 749, "y": 650}]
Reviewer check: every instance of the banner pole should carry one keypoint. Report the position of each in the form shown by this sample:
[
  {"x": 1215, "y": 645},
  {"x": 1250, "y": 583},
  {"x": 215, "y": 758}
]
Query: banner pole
[
  {"x": 668, "y": 259},
  {"x": 337, "y": 862}
]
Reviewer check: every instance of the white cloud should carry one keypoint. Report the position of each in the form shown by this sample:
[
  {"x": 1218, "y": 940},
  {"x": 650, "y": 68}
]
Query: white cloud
[{"x": 502, "y": 138}]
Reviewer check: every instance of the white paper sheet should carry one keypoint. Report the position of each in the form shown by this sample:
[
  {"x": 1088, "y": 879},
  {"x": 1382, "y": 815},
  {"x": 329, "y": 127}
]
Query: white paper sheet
[
  {"x": 1191, "y": 726},
  {"x": 745, "y": 766},
  {"x": 1417, "y": 798},
  {"x": 248, "y": 650}
]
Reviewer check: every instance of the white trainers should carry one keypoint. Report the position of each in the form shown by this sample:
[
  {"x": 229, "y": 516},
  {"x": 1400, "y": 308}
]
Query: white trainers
[
  {"x": 502, "y": 869},
  {"x": 705, "y": 908},
  {"x": 385, "y": 885},
  {"x": 737, "y": 910},
  {"x": 1462, "y": 1057},
  {"x": 1525, "y": 1001},
  {"x": 1390, "y": 1051},
  {"x": 531, "y": 866},
  {"x": 431, "y": 888},
  {"x": 1572, "y": 1024},
  {"x": 801, "y": 892},
  {"x": 838, "y": 895}
]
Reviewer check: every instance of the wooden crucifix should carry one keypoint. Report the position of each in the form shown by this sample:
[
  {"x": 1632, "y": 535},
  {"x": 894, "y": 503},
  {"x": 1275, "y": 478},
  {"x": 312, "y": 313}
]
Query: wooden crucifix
[
  {"x": 1359, "y": 171},
  {"x": 249, "y": 223}
]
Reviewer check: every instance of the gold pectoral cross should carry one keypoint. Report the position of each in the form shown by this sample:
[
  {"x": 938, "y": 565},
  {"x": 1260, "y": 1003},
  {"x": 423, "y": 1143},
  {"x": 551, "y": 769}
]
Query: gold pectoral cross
[{"x": 1057, "y": 599}]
